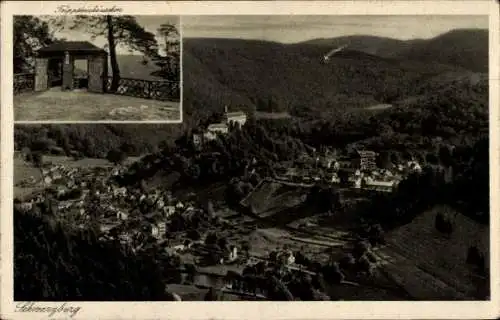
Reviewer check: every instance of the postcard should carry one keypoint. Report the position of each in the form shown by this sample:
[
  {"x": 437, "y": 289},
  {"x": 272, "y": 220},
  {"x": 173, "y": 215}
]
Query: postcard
[{"x": 281, "y": 160}]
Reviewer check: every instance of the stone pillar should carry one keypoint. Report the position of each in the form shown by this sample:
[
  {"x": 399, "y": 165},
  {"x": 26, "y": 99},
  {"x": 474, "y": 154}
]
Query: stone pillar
[
  {"x": 67, "y": 74},
  {"x": 41, "y": 74},
  {"x": 97, "y": 66}
]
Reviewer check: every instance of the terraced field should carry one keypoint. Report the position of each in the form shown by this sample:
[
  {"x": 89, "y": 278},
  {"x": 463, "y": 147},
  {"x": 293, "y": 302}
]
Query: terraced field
[{"x": 433, "y": 265}]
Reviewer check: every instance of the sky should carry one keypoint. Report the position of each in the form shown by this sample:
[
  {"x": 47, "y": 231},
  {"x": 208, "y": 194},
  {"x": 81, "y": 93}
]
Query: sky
[
  {"x": 291, "y": 29},
  {"x": 150, "y": 23}
]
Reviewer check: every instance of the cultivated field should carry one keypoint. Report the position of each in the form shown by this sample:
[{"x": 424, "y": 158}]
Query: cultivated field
[
  {"x": 84, "y": 106},
  {"x": 22, "y": 172}
]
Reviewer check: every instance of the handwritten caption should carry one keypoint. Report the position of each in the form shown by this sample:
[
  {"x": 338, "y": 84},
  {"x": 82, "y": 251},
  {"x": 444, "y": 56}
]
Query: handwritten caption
[
  {"x": 66, "y": 9},
  {"x": 63, "y": 308}
]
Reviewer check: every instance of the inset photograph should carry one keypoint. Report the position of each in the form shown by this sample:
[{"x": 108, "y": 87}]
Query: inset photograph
[{"x": 97, "y": 68}]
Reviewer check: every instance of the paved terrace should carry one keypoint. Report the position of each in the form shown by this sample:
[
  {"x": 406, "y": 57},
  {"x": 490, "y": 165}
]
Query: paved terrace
[{"x": 80, "y": 105}]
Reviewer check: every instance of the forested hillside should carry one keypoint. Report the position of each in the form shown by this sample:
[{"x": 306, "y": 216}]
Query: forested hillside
[{"x": 295, "y": 78}]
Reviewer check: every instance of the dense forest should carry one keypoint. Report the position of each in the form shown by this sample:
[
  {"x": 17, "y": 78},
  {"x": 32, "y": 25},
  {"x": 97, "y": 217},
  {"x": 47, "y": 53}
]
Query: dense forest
[
  {"x": 49, "y": 264},
  {"x": 371, "y": 70}
]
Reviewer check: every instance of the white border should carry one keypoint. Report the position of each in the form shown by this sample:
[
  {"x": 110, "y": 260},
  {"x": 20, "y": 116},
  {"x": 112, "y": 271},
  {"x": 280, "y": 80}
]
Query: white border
[{"x": 260, "y": 310}]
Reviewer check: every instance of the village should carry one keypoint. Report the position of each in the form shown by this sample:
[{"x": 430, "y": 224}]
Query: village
[
  {"x": 217, "y": 245},
  {"x": 198, "y": 234}
]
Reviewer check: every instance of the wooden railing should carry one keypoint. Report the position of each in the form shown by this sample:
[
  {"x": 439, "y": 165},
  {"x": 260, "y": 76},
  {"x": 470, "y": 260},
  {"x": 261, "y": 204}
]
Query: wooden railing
[
  {"x": 24, "y": 82},
  {"x": 163, "y": 90}
]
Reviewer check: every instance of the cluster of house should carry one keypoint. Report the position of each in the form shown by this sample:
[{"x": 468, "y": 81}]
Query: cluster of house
[
  {"x": 161, "y": 205},
  {"x": 62, "y": 180},
  {"x": 361, "y": 169},
  {"x": 215, "y": 129},
  {"x": 117, "y": 206}
]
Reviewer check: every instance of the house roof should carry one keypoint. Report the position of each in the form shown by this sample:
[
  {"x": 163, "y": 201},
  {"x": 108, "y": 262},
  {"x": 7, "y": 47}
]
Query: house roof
[
  {"x": 217, "y": 126},
  {"x": 364, "y": 153},
  {"x": 235, "y": 114},
  {"x": 379, "y": 183},
  {"x": 71, "y": 46}
]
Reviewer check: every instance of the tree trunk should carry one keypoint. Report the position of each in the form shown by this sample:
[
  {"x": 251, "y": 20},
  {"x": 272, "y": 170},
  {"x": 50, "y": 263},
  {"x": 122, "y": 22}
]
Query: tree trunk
[{"x": 115, "y": 68}]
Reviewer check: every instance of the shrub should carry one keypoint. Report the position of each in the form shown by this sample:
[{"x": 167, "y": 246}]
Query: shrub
[
  {"x": 443, "y": 224},
  {"x": 376, "y": 235},
  {"x": 473, "y": 255},
  {"x": 360, "y": 248},
  {"x": 364, "y": 265},
  {"x": 194, "y": 235},
  {"x": 371, "y": 256},
  {"x": 347, "y": 262},
  {"x": 211, "y": 238},
  {"x": 476, "y": 258}
]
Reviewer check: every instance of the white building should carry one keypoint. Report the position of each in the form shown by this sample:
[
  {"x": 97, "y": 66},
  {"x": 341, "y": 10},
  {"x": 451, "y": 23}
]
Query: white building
[
  {"x": 387, "y": 186},
  {"x": 47, "y": 180},
  {"x": 214, "y": 129},
  {"x": 162, "y": 228},
  {"x": 233, "y": 254},
  {"x": 155, "y": 231},
  {"x": 160, "y": 204},
  {"x": 335, "y": 179},
  {"x": 197, "y": 139},
  {"x": 414, "y": 166},
  {"x": 169, "y": 210},
  {"x": 121, "y": 215},
  {"x": 26, "y": 206}
]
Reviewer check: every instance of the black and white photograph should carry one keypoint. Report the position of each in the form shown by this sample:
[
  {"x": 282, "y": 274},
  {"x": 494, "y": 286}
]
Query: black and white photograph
[
  {"x": 97, "y": 68},
  {"x": 320, "y": 158}
]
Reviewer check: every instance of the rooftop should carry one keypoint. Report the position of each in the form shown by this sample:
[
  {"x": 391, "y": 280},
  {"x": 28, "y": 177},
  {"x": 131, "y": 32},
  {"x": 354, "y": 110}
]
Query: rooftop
[
  {"x": 365, "y": 153},
  {"x": 380, "y": 183},
  {"x": 236, "y": 114},
  {"x": 215, "y": 126}
]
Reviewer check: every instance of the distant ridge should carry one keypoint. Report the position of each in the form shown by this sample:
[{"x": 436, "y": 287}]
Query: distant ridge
[
  {"x": 466, "y": 48},
  {"x": 131, "y": 66}
]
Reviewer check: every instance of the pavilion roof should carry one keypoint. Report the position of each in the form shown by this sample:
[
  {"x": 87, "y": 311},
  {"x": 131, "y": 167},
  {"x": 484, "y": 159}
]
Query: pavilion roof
[{"x": 71, "y": 46}]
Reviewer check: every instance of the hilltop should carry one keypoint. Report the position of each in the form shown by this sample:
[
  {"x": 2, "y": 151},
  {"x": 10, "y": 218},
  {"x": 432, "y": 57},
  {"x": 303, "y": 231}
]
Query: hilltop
[
  {"x": 279, "y": 77},
  {"x": 466, "y": 48}
]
